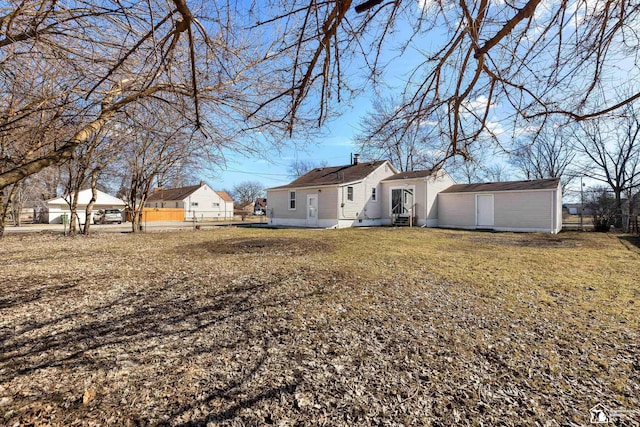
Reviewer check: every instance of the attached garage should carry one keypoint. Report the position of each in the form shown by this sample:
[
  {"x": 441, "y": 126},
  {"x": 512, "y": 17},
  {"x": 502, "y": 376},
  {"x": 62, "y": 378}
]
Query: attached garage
[{"x": 528, "y": 206}]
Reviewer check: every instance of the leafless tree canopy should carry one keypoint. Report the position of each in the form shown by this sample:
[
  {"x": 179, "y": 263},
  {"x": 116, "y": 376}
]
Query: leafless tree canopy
[
  {"x": 242, "y": 70},
  {"x": 69, "y": 68},
  {"x": 610, "y": 147},
  {"x": 527, "y": 59},
  {"x": 548, "y": 154},
  {"x": 247, "y": 192},
  {"x": 384, "y": 134}
]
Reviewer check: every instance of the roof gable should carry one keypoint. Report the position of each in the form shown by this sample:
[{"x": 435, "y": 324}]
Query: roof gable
[
  {"x": 411, "y": 175},
  {"x": 224, "y": 196},
  {"x": 535, "y": 184},
  {"x": 334, "y": 175}
]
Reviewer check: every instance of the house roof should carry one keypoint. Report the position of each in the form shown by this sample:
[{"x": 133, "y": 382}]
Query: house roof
[
  {"x": 173, "y": 193},
  {"x": 224, "y": 196},
  {"x": 334, "y": 175},
  {"x": 411, "y": 175},
  {"x": 84, "y": 196},
  {"x": 261, "y": 201},
  {"x": 536, "y": 184}
]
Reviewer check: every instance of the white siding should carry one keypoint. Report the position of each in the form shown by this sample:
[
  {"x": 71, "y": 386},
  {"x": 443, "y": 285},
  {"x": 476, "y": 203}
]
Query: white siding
[
  {"x": 435, "y": 185},
  {"x": 527, "y": 209},
  {"x": 457, "y": 210},
  {"x": 278, "y": 204},
  {"x": 327, "y": 203},
  {"x": 362, "y": 207},
  {"x": 534, "y": 210}
]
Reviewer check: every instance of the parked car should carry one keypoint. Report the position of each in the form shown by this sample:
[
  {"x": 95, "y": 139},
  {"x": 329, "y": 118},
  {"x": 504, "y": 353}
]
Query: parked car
[{"x": 108, "y": 216}]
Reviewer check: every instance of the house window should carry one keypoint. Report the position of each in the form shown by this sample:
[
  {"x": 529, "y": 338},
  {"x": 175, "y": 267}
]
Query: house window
[
  {"x": 373, "y": 194},
  {"x": 156, "y": 204},
  {"x": 177, "y": 205},
  {"x": 292, "y": 199},
  {"x": 350, "y": 194},
  {"x": 194, "y": 203}
]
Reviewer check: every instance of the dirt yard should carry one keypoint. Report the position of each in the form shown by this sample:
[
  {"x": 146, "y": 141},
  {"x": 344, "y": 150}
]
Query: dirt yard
[{"x": 318, "y": 327}]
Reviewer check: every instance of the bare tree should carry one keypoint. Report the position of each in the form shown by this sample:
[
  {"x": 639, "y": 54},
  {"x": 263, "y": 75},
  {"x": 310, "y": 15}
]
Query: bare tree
[
  {"x": 549, "y": 154},
  {"x": 153, "y": 149},
  {"x": 611, "y": 147},
  {"x": 80, "y": 65},
  {"x": 297, "y": 168},
  {"x": 247, "y": 192},
  {"x": 407, "y": 144},
  {"x": 521, "y": 60}
]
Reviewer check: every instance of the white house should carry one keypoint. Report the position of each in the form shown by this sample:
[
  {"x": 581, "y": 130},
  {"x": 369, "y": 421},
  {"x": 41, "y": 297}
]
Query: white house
[
  {"x": 337, "y": 196},
  {"x": 534, "y": 206},
  {"x": 375, "y": 193},
  {"x": 198, "y": 201},
  {"x": 60, "y": 205}
]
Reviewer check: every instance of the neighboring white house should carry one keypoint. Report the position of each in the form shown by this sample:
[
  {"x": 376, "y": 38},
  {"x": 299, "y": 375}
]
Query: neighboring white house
[
  {"x": 60, "y": 205},
  {"x": 374, "y": 193},
  {"x": 198, "y": 201},
  {"x": 533, "y": 206}
]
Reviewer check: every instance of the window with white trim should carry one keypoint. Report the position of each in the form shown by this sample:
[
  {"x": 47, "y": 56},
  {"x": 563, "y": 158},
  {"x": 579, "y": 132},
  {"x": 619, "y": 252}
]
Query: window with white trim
[
  {"x": 292, "y": 200},
  {"x": 350, "y": 194}
]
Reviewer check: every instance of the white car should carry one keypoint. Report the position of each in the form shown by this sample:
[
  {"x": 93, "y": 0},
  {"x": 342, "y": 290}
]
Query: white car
[{"x": 108, "y": 216}]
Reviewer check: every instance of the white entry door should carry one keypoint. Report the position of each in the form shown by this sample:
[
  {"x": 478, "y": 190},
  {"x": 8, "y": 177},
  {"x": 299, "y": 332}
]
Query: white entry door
[
  {"x": 484, "y": 210},
  {"x": 312, "y": 209}
]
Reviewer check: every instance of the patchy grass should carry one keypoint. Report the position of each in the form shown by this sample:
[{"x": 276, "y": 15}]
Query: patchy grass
[{"x": 304, "y": 327}]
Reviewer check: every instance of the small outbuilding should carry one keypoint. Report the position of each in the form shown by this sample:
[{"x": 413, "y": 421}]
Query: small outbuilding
[
  {"x": 60, "y": 205},
  {"x": 528, "y": 206}
]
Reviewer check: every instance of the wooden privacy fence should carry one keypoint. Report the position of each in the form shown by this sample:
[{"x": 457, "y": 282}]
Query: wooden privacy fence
[{"x": 160, "y": 214}]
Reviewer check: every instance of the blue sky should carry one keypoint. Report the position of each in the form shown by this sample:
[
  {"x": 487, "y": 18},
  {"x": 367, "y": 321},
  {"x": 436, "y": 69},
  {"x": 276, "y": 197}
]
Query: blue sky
[
  {"x": 271, "y": 170},
  {"x": 335, "y": 146}
]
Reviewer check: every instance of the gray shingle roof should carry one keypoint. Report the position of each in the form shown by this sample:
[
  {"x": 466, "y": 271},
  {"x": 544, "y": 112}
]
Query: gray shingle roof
[
  {"x": 173, "y": 193},
  {"x": 536, "y": 184},
  {"x": 411, "y": 175},
  {"x": 333, "y": 175}
]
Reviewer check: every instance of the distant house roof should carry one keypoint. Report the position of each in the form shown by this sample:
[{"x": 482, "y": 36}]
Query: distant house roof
[
  {"x": 84, "y": 196},
  {"x": 224, "y": 196},
  {"x": 261, "y": 202},
  {"x": 411, "y": 175},
  {"x": 334, "y": 175},
  {"x": 537, "y": 184},
  {"x": 173, "y": 193}
]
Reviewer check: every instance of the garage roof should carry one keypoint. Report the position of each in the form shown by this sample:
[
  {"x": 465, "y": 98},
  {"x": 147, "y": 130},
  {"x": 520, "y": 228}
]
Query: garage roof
[{"x": 534, "y": 184}]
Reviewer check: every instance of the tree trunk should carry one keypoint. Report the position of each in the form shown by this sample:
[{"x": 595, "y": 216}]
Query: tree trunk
[
  {"x": 618, "y": 219},
  {"x": 3, "y": 214},
  {"x": 88, "y": 215}
]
